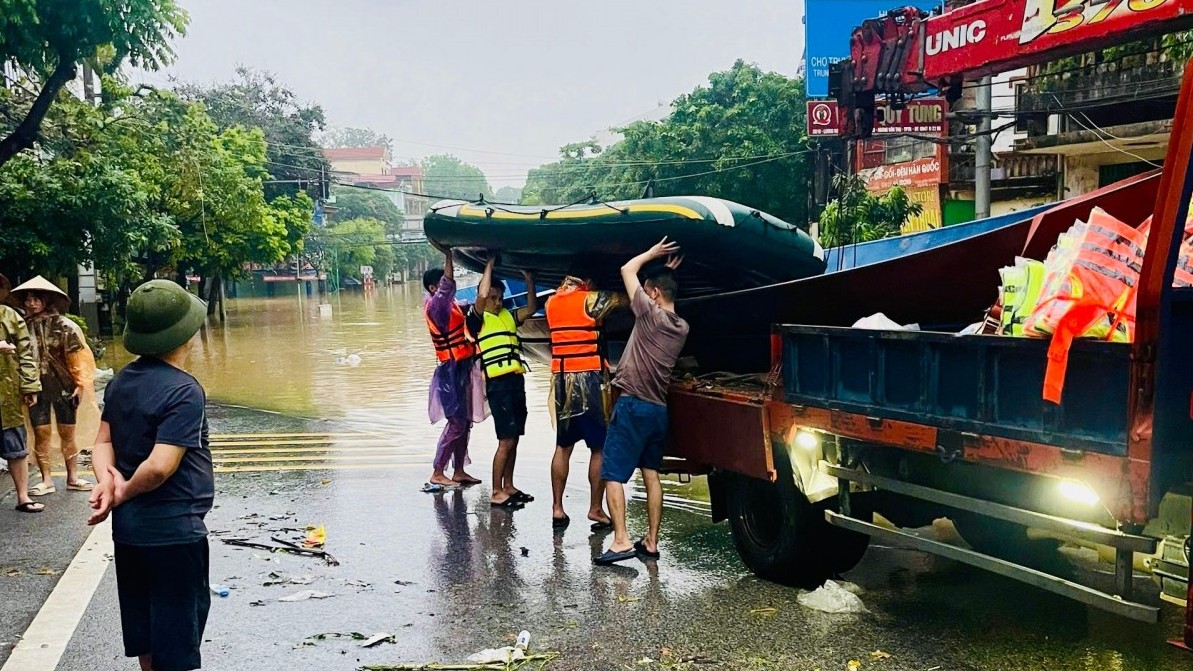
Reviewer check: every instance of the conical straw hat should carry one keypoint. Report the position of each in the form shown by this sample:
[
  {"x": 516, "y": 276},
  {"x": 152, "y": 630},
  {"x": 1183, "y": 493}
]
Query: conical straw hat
[{"x": 58, "y": 297}]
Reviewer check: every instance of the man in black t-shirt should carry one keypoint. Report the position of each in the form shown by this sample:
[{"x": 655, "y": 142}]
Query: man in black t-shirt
[{"x": 154, "y": 473}]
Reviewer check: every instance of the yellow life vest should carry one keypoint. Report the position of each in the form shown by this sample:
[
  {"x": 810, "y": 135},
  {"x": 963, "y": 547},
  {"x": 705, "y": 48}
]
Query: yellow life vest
[{"x": 500, "y": 348}]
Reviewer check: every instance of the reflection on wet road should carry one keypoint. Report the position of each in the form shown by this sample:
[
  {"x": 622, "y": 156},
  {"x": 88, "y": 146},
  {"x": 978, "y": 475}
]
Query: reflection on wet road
[{"x": 449, "y": 576}]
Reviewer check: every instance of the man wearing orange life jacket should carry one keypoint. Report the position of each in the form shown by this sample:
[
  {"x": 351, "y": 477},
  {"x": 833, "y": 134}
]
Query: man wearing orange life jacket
[
  {"x": 579, "y": 381},
  {"x": 457, "y": 392}
]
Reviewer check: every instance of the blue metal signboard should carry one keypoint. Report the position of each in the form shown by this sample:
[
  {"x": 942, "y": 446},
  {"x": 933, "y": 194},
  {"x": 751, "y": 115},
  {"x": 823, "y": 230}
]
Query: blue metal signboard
[{"x": 827, "y": 27}]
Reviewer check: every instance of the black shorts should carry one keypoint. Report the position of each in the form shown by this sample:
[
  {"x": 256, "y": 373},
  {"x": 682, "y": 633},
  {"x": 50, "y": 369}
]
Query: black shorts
[
  {"x": 12, "y": 444},
  {"x": 53, "y": 395},
  {"x": 589, "y": 427},
  {"x": 164, "y": 598},
  {"x": 507, "y": 403}
]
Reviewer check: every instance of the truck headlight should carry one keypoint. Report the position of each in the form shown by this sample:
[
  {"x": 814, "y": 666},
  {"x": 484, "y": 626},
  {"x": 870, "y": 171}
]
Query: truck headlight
[
  {"x": 1078, "y": 492},
  {"x": 807, "y": 440}
]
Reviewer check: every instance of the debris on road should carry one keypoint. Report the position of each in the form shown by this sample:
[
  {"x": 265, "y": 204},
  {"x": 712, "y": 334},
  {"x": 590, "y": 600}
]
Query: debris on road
[
  {"x": 831, "y": 598},
  {"x": 312, "y": 640},
  {"x": 378, "y": 639},
  {"x": 276, "y": 578},
  {"x": 316, "y": 537},
  {"x": 306, "y": 594},
  {"x": 283, "y": 546},
  {"x": 219, "y": 590},
  {"x": 768, "y": 611},
  {"x": 537, "y": 661},
  {"x": 878, "y": 654}
]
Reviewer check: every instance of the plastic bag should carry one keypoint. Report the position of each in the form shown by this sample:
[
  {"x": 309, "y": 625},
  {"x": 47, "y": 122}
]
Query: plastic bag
[
  {"x": 504, "y": 655},
  {"x": 832, "y": 598}
]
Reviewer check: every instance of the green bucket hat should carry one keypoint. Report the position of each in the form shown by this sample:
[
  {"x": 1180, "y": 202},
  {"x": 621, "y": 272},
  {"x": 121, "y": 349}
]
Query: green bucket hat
[{"x": 161, "y": 317}]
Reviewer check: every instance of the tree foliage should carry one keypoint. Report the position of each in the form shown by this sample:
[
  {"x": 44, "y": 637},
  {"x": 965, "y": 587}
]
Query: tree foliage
[
  {"x": 445, "y": 175},
  {"x": 353, "y": 203},
  {"x": 257, "y": 99},
  {"x": 508, "y": 194},
  {"x": 144, "y": 181},
  {"x": 856, "y": 215},
  {"x": 740, "y": 137},
  {"x": 355, "y": 137},
  {"x": 47, "y": 40}
]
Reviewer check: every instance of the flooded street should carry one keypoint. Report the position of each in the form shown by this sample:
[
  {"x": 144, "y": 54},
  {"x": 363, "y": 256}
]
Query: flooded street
[{"x": 304, "y": 437}]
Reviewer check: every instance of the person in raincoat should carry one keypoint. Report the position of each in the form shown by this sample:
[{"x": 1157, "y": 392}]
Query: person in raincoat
[
  {"x": 67, "y": 370},
  {"x": 19, "y": 385},
  {"x": 457, "y": 391}
]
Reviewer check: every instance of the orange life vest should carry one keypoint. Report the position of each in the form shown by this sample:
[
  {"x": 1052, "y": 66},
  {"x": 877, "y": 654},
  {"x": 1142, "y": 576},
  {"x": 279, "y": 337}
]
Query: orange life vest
[
  {"x": 455, "y": 345},
  {"x": 575, "y": 337}
]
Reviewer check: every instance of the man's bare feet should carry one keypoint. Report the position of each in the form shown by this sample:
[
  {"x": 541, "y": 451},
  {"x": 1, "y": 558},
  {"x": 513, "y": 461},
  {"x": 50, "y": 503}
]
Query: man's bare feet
[
  {"x": 443, "y": 480},
  {"x": 599, "y": 517}
]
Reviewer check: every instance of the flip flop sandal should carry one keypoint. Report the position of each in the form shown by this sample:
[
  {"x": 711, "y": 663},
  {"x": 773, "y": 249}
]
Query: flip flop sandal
[
  {"x": 432, "y": 487},
  {"x": 509, "y": 504},
  {"x": 598, "y": 527},
  {"x": 522, "y": 496},
  {"x": 610, "y": 557},
  {"x": 30, "y": 507},
  {"x": 640, "y": 548},
  {"x": 560, "y": 522},
  {"x": 40, "y": 489},
  {"x": 80, "y": 485},
  {"x": 466, "y": 483}
]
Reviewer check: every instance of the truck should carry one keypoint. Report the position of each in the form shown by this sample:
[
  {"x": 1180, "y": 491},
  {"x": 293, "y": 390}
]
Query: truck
[{"x": 850, "y": 426}]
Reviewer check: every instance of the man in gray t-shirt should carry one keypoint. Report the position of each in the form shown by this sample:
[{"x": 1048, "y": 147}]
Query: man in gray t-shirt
[{"x": 638, "y": 429}]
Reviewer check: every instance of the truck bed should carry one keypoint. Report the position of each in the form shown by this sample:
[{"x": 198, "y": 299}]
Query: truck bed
[{"x": 985, "y": 385}]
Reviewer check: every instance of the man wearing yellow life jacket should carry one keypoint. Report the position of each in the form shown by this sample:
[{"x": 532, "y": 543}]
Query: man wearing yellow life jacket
[
  {"x": 579, "y": 381},
  {"x": 495, "y": 330},
  {"x": 457, "y": 390}
]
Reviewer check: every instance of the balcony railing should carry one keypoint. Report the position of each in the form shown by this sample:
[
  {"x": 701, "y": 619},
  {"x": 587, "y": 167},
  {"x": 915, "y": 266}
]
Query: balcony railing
[{"x": 1008, "y": 168}]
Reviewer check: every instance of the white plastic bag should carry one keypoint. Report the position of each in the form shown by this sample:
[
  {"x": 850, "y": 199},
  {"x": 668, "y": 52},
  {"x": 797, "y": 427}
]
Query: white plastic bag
[
  {"x": 832, "y": 598},
  {"x": 498, "y": 655}
]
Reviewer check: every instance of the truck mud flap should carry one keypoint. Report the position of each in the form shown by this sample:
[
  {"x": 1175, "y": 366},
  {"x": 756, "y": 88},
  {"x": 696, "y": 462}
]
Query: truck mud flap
[
  {"x": 721, "y": 432},
  {"x": 1065, "y": 588}
]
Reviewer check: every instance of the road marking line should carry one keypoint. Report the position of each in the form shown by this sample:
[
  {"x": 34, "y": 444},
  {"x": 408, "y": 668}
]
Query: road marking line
[
  {"x": 264, "y": 443},
  {"x": 314, "y": 467},
  {"x": 346, "y": 457},
  {"x": 41, "y": 647},
  {"x": 234, "y": 436},
  {"x": 311, "y": 450}
]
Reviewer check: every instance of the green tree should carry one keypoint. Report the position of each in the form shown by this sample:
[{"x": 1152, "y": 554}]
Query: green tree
[
  {"x": 508, "y": 194},
  {"x": 355, "y": 137},
  {"x": 257, "y": 99},
  {"x": 47, "y": 40},
  {"x": 446, "y": 175},
  {"x": 355, "y": 203},
  {"x": 857, "y": 215},
  {"x": 740, "y": 137},
  {"x": 359, "y": 242}
]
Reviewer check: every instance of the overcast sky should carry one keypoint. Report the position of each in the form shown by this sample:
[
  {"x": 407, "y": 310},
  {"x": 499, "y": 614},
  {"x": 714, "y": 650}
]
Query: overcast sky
[{"x": 499, "y": 83}]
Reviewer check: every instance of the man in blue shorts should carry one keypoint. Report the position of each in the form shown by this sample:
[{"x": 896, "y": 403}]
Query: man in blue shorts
[{"x": 638, "y": 429}]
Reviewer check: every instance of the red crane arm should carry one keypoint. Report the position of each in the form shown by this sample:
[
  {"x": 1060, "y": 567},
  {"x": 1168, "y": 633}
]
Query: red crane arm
[{"x": 908, "y": 52}]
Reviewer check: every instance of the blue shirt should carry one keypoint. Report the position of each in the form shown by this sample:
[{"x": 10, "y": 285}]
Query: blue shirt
[{"x": 152, "y": 402}]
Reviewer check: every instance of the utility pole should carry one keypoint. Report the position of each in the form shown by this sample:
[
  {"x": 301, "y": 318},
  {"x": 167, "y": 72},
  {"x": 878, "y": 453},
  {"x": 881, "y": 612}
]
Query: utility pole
[{"x": 984, "y": 151}]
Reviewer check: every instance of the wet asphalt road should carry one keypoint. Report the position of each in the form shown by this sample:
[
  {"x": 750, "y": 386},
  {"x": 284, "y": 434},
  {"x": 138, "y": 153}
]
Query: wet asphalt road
[{"x": 448, "y": 576}]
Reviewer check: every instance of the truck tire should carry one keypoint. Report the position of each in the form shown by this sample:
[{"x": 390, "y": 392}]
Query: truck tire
[
  {"x": 1010, "y": 541},
  {"x": 841, "y": 549},
  {"x": 775, "y": 531}
]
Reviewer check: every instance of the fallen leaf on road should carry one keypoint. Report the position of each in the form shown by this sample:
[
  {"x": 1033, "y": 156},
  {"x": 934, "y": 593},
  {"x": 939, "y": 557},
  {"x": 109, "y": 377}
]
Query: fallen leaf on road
[
  {"x": 306, "y": 594},
  {"x": 878, "y": 654},
  {"x": 46, "y": 571},
  {"x": 316, "y": 537},
  {"x": 764, "y": 612},
  {"x": 403, "y": 583},
  {"x": 325, "y": 482},
  {"x": 257, "y": 603},
  {"x": 12, "y": 572},
  {"x": 853, "y": 665},
  {"x": 621, "y": 598},
  {"x": 665, "y": 651}
]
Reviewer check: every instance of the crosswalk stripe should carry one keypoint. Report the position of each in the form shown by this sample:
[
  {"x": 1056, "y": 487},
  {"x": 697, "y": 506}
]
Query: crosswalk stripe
[
  {"x": 266, "y": 443},
  {"x": 303, "y": 450},
  {"x": 348, "y": 457}
]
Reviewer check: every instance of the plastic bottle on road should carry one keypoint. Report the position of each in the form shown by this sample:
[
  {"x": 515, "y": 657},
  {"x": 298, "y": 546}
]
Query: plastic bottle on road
[
  {"x": 221, "y": 590},
  {"x": 523, "y": 640}
]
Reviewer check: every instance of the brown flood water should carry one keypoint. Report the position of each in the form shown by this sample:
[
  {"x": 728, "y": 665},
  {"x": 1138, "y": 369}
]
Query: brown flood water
[{"x": 288, "y": 355}]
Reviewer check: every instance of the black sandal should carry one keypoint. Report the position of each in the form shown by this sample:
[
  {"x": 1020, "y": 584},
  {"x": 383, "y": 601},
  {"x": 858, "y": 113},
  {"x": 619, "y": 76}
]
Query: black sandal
[
  {"x": 509, "y": 504},
  {"x": 598, "y": 527},
  {"x": 560, "y": 522},
  {"x": 29, "y": 507},
  {"x": 522, "y": 496},
  {"x": 640, "y": 548}
]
